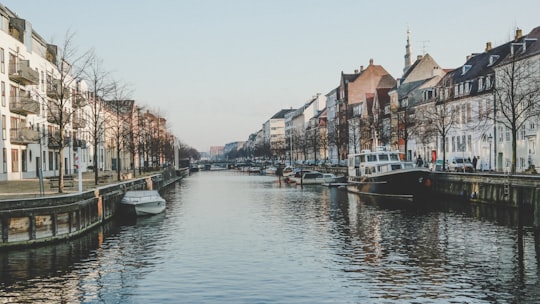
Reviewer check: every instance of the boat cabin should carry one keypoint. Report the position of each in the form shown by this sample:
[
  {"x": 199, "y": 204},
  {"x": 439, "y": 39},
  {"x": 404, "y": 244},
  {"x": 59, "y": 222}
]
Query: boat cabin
[{"x": 368, "y": 162}]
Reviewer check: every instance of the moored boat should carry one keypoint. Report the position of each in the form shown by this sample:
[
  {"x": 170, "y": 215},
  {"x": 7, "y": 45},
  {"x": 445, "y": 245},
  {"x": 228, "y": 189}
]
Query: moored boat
[
  {"x": 142, "y": 202},
  {"x": 382, "y": 173},
  {"x": 317, "y": 178}
]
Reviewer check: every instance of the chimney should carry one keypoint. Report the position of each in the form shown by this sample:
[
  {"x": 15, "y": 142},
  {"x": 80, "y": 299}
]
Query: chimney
[
  {"x": 371, "y": 61},
  {"x": 419, "y": 57},
  {"x": 356, "y": 71},
  {"x": 488, "y": 46},
  {"x": 519, "y": 34},
  {"x": 361, "y": 68}
]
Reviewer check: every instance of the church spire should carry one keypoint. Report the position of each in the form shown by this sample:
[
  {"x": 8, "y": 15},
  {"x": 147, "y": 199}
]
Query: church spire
[{"x": 408, "y": 52}]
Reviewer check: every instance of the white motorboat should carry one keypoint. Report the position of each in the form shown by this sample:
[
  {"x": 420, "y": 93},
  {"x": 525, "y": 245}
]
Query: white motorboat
[
  {"x": 143, "y": 202},
  {"x": 317, "y": 178}
]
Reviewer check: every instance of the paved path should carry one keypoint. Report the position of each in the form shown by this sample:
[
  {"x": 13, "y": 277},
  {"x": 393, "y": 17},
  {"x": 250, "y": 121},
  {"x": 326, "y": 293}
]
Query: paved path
[{"x": 29, "y": 188}]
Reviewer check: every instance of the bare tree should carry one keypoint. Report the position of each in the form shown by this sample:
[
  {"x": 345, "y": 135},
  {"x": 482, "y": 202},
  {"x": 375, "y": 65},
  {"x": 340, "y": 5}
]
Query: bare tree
[
  {"x": 323, "y": 141},
  {"x": 407, "y": 125},
  {"x": 100, "y": 86},
  {"x": 517, "y": 92},
  {"x": 312, "y": 141},
  {"x": 121, "y": 109},
  {"x": 62, "y": 80},
  {"x": 436, "y": 117}
]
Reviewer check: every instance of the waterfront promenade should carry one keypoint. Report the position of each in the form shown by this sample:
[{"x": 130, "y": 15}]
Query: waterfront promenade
[{"x": 29, "y": 188}]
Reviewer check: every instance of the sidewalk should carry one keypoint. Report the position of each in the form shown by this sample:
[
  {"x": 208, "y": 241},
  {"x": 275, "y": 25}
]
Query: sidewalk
[{"x": 29, "y": 188}]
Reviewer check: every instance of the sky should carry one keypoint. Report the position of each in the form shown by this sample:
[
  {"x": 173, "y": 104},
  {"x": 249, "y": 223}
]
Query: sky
[{"x": 218, "y": 69}]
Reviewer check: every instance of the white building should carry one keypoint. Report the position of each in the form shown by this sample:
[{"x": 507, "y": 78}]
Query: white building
[{"x": 27, "y": 86}]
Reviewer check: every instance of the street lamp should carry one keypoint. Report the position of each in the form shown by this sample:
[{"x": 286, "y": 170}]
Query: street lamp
[{"x": 490, "y": 139}]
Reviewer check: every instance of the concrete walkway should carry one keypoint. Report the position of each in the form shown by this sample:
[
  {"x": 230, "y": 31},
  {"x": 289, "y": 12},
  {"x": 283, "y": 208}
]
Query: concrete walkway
[{"x": 29, "y": 188}]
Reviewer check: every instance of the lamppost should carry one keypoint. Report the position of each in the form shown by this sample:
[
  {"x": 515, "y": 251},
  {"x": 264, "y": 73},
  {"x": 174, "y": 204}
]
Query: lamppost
[{"x": 490, "y": 139}]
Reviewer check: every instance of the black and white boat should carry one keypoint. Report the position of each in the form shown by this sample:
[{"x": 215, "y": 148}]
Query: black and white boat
[
  {"x": 317, "y": 178},
  {"x": 142, "y": 202},
  {"x": 382, "y": 173}
]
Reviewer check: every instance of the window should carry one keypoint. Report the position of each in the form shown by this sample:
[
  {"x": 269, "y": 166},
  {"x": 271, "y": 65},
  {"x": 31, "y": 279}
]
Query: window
[
  {"x": 480, "y": 84},
  {"x": 51, "y": 162},
  {"x": 480, "y": 111},
  {"x": 23, "y": 161},
  {"x": 4, "y": 160},
  {"x": 42, "y": 81},
  {"x": 500, "y": 134},
  {"x": 14, "y": 160},
  {"x": 465, "y": 69},
  {"x": 507, "y": 134},
  {"x": 2, "y": 61},
  {"x": 4, "y": 127},
  {"x": 469, "y": 116},
  {"x": 488, "y": 82},
  {"x": 14, "y": 127},
  {"x": 3, "y": 93}
]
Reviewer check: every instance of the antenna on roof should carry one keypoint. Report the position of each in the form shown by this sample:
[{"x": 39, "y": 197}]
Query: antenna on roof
[{"x": 424, "y": 45}]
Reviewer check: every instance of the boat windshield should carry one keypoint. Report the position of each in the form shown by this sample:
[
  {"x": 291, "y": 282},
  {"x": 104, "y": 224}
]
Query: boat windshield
[
  {"x": 371, "y": 157},
  {"x": 383, "y": 157},
  {"x": 394, "y": 156}
]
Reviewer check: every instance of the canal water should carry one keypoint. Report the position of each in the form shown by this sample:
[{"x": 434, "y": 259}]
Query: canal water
[{"x": 228, "y": 237}]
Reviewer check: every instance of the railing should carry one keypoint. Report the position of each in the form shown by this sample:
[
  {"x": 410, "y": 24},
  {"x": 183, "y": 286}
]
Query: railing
[
  {"x": 78, "y": 122},
  {"x": 22, "y": 73},
  {"x": 23, "y": 136},
  {"x": 23, "y": 105}
]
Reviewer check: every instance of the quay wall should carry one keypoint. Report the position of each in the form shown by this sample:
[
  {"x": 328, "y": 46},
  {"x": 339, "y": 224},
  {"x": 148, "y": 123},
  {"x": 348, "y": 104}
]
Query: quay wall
[
  {"x": 27, "y": 222},
  {"x": 515, "y": 191}
]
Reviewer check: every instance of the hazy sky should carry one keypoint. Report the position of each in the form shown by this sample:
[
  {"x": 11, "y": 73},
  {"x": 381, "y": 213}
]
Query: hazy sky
[{"x": 217, "y": 70}]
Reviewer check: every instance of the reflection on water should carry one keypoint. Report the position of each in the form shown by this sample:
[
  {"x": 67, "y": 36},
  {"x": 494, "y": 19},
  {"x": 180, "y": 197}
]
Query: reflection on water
[{"x": 232, "y": 238}]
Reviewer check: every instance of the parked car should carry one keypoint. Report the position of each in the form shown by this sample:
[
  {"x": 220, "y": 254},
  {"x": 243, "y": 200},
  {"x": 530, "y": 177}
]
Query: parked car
[
  {"x": 438, "y": 165},
  {"x": 457, "y": 164}
]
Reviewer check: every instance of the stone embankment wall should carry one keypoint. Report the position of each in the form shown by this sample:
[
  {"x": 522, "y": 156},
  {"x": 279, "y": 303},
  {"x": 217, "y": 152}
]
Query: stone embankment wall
[
  {"x": 26, "y": 222},
  {"x": 516, "y": 191}
]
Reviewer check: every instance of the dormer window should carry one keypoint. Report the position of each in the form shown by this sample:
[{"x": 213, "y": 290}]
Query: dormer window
[
  {"x": 467, "y": 89},
  {"x": 488, "y": 82},
  {"x": 428, "y": 94},
  {"x": 465, "y": 69},
  {"x": 515, "y": 46},
  {"x": 493, "y": 59},
  {"x": 480, "y": 84}
]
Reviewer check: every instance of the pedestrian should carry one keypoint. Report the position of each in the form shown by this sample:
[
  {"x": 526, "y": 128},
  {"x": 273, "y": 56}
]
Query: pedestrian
[
  {"x": 474, "y": 161},
  {"x": 419, "y": 161}
]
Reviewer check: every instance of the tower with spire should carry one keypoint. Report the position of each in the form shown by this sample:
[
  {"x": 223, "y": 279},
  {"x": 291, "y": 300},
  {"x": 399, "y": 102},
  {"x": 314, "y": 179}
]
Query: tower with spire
[{"x": 408, "y": 52}]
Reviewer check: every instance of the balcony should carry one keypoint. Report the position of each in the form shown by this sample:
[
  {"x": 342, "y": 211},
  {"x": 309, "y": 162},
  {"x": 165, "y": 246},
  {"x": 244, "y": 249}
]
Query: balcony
[
  {"x": 530, "y": 132},
  {"x": 23, "y": 136},
  {"x": 53, "y": 140},
  {"x": 79, "y": 101},
  {"x": 79, "y": 143},
  {"x": 22, "y": 73},
  {"x": 78, "y": 122},
  {"x": 53, "y": 116},
  {"x": 56, "y": 91},
  {"x": 23, "y": 105}
]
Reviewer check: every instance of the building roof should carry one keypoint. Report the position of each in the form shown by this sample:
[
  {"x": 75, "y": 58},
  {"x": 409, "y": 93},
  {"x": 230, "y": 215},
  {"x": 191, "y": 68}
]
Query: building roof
[{"x": 281, "y": 113}]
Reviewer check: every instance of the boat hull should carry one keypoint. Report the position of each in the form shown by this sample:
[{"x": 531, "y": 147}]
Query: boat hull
[
  {"x": 142, "y": 203},
  {"x": 404, "y": 184}
]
